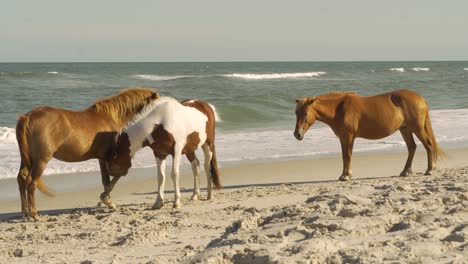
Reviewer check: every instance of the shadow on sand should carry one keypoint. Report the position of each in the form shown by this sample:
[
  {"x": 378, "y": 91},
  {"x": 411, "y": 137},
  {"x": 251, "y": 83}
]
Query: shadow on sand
[
  {"x": 17, "y": 217},
  {"x": 241, "y": 186}
]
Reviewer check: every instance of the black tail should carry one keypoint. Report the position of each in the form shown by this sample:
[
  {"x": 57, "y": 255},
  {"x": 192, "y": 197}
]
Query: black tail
[{"x": 215, "y": 177}]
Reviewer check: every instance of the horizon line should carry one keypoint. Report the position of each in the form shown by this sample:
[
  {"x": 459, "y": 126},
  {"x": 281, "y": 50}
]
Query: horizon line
[{"x": 234, "y": 61}]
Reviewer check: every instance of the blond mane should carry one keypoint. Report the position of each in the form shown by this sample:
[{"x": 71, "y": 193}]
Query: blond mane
[
  {"x": 126, "y": 103},
  {"x": 335, "y": 94}
]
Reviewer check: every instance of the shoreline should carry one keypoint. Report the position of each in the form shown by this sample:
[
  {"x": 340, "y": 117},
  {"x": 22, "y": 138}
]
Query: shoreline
[{"x": 82, "y": 189}]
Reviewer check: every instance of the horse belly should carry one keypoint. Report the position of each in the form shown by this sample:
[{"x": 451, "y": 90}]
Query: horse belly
[
  {"x": 73, "y": 152},
  {"x": 378, "y": 129}
]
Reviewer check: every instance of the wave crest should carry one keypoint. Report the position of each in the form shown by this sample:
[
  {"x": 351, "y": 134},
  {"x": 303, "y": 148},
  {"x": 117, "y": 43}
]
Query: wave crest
[
  {"x": 397, "y": 69},
  {"x": 420, "y": 69},
  {"x": 153, "y": 77},
  {"x": 245, "y": 76},
  {"x": 262, "y": 76}
]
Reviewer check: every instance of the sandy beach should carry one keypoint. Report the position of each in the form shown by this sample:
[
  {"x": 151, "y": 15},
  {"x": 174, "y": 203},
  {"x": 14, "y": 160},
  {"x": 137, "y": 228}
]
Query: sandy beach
[{"x": 275, "y": 212}]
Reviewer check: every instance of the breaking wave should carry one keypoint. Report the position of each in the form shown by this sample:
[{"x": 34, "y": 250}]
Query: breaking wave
[
  {"x": 245, "y": 76},
  {"x": 420, "y": 69},
  {"x": 397, "y": 69},
  {"x": 153, "y": 77},
  {"x": 262, "y": 76}
]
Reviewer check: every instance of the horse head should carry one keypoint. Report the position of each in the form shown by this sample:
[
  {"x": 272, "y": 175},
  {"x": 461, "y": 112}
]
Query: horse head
[
  {"x": 119, "y": 160},
  {"x": 305, "y": 116}
]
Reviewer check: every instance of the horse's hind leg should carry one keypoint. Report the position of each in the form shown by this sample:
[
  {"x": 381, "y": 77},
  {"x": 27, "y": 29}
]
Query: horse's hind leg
[
  {"x": 425, "y": 140},
  {"x": 161, "y": 163},
  {"x": 175, "y": 175},
  {"x": 411, "y": 145},
  {"x": 37, "y": 169},
  {"x": 209, "y": 181},
  {"x": 196, "y": 175},
  {"x": 23, "y": 176}
]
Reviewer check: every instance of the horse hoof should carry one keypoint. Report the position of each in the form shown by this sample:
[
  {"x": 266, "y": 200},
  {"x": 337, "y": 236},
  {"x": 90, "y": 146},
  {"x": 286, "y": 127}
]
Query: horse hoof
[
  {"x": 428, "y": 173},
  {"x": 157, "y": 205},
  {"x": 111, "y": 206},
  {"x": 104, "y": 197},
  {"x": 176, "y": 206},
  {"x": 194, "y": 197},
  {"x": 406, "y": 173},
  {"x": 345, "y": 178},
  {"x": 34, "y": 216}
]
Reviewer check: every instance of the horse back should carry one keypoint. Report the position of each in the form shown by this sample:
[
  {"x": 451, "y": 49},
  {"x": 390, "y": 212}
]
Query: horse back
[
  {"x": 66, "y": 134},
  {"x": 380, "y": 115}
]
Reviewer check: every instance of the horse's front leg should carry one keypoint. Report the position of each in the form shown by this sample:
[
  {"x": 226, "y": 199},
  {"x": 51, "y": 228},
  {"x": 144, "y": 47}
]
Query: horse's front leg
[
  {"x": 161, "y": 163},
  {"x": 107, "y": 184},
  {"x": 347, "y": 144}
]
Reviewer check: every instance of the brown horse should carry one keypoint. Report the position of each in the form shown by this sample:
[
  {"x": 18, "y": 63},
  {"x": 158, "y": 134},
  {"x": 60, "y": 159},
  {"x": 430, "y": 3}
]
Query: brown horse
[
  {"x": 350, "y": 116},
  {"x": 47, "y": 132},
  {"x": 170, "y": 128}
]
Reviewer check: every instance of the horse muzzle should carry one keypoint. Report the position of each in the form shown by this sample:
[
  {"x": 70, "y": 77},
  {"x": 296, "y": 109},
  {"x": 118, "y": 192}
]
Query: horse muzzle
[{"x": 297, "y": 135}]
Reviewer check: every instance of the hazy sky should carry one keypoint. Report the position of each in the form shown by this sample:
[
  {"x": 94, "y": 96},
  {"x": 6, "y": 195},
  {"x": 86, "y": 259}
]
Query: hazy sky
[{"x": 216, "y": 30}]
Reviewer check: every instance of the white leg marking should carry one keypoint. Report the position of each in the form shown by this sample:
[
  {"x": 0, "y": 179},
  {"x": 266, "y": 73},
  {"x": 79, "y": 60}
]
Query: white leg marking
[
  {"x": 175, "y": 176},
  {"x": 196, "y": 179},
  {"x": 209, "y": 185},
  {"x": 161, "y": 179}
]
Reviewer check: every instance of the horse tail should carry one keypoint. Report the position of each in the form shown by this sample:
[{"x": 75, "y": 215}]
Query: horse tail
[
  {"x": 437, "y": 152},
  {"x": 215, "y": 176},
  {"x": 216, "y": 115},
  {"x": 43, "y": 188},
  {"x": 22, "y": 133}
]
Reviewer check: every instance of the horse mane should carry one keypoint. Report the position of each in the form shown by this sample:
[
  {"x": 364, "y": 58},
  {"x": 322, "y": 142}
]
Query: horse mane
[
  {"x": 126, "y": 103},
  {"x": 335, "y": 94},
  {"x": 147, "y": 109}
]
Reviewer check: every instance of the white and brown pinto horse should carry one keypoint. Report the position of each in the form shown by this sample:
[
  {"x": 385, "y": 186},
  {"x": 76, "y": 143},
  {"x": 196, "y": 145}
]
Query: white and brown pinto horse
[
  {"x": 374, "y": 117},
  {"x": 169, "y": 127},
  {"x": 48, "y": 132}
]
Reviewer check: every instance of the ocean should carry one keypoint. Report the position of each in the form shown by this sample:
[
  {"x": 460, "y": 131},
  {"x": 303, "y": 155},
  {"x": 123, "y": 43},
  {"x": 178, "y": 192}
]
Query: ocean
[{"x": 255, "y": 101}]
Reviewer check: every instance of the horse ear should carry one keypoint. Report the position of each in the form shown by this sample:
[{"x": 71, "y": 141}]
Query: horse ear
[
  {"x": 155, "y": 95},
  {"x": 310, "y": 101},
  {"x": 297, "y": 101}
]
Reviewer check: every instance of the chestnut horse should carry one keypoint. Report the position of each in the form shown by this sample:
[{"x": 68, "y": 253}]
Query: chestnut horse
[
  {"x": 47, "y": 132},
  {"x": 170, "y": 128},
  {"x": 374, "y": 117}
]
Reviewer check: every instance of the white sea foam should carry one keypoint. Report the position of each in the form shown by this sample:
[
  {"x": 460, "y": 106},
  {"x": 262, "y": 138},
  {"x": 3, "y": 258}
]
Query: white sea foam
[
  {"x": 245, "y": 76},
  {"x": 466, "y": 69},
  {"x": 397, "y": 69},
  {"x": 53, "y": 72},
  {"x": 252, "y": 76},
  {"x": 153, "y": 77},
  {"x": 450, "y": 126},
  {"x": 420, "y": 69},
  {"x": 7, "y": 136}
]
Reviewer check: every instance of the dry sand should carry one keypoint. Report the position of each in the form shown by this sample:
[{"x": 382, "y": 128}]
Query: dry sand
[{"x": 286, "y": 212}]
